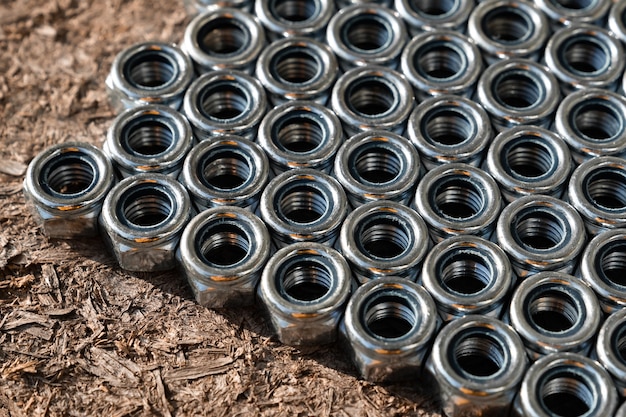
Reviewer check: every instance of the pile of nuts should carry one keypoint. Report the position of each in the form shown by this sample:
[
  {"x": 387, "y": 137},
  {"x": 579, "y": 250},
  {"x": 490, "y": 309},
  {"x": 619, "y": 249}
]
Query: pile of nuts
[{"x": 440, "y": 185}]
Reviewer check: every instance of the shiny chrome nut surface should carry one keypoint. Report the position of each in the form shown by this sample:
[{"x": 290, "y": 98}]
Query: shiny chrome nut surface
[
  {"x": 225, "y": 171},
  {"x": 149, "y": 73},
  {"x": 388, "y": 328},
  {"x": 304, "y": 289},
  {"x": 541, "y": 233},
  {"x": 603, "y": 267},
  {"x": 65, "y": 186},
  {"x": 458, "y": 199},
  {"x": 429, "y": 15},
  {"x": 224, "y": 38},
  {"x": 597, "y": 189},
  {"x": 527, "y": 160},
  {"x": 441, "y": 62},
  {"x": 568, "y": 12},
  {"x": 377, "y": 165},
  {"x": 372, "y": 97},
  {"x": 617, "y": 25},
  {"x": 566, "y": 384},
  {"x": 449, "y": 129},
  {"x": 366, "y": 34},
  {"x": 593, "y": 123},
  {"x": 384, "y": 238},
  {"x": 467, "y": 275},
  {"x": 346, "y": 3},
  {"x": 621, "y": 412},
  {"x": 287, "y": 18},
  {"x": 225, "y": 102},
  {"x": 303, "y": 205},
  {"x": 585, "y": 56},
  {"x": 610, "y": 349},
  {"x": 477, "y": 364},
  {"x": 150, "y": 138},
  {"x": 554, "y": 312},
  {"x": 508, "y": 29},
  {"x": 518, "y": 92},
  {"x": 195, "y": 7},
  {"x": 222, "y": 253},
  {"x": 300, "y": 134},
  {"x": 142, "y": 220}
]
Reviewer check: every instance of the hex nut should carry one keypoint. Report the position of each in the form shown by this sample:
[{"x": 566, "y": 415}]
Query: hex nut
[
  {"x": 609, "y": 349},
  {"x": 617, "y": 24},
  {"x": 567, "y": 13},
  {"x": 387, "y": 329},
  {"x": 432, "y": 16},
  {"x": 65, "y": 186},
  {"x": 195, "y": 7},
  {"x": 291, "y": 18}
]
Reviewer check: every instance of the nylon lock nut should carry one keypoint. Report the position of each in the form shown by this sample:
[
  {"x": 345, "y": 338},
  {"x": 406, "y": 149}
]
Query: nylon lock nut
[
  {"x": 430, "y": 16},
  {"x": 65, "y": 186},
  {"x": 222, "y": 253},
  {"x": 289, "y": 18},
  {"x": 304, "y": 289},
  {"x": 388, "y": 328},
  {"x": 609, "y": 348},
  {"x": 142, "y": 220}
]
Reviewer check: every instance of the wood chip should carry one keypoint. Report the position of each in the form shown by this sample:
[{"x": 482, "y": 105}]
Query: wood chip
[
  {"x": 193, "y": 371},
  {"x": 13, "y": 168}
]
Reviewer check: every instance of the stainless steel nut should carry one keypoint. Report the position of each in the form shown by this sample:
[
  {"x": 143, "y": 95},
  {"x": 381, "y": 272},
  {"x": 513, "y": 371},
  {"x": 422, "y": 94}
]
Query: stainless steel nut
[
  {"x": 300, "y": 134},
  {"x": 297, "y": 69},
  {"x": 568, "y": 12},
  {"x": 222, "y": 253},
  {"x": 477, "y": 364},
  {"x": 303, "y": 205},
  {"x": 450, "y": 129},
  {"x": 384, "y": 238},
  {"x": 527, "y": 160},
  {"x": 366, "y": 34},
  {"x": 142, "y": 220},
  {"x": 541, "y": 233},
  {"x": 345, "y": 3},
  {"x": 508, "y": 29},
  {"x": 149, "y": 73},
  {"x": 441, "y": 62},
  {"x": 597, "y": 189},
  {"x": 621, "y": 412},
  {"x": 593, "y": 123},
  {"x": 458, "y": 199},
  {"x": 467, "y": 275},
  {"x": 518, "y": 92},
  {"x": 372, "y": 97},
  {"x": 610, "y": 349},
  {"x": 387, "y": 329},
  {"x": 377, "y": 165},
  {"x": 434, "y": 15},
  {"x": 225, "y": 102},
  {"x": 304, "y": 289},
  {"x": 585, "y": 56},
  {"x": 150, "y": 138},
  {"x": 65, "y": 186},
  {"x": 287, "y": 18},
  {"x": 617, "y": 24},
  {"x": 224, "y": 38},
  {"x": 195, "y": 7},
  {"x": 225, "y": 171},
  {"x": 566, "y": 384}
]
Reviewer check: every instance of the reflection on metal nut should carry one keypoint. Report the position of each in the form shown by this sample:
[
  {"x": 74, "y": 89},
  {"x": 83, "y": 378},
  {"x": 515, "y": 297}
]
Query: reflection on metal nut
[
  {"x": 287, "y": 18},
  {"x": 617, "y": 22},
  {"x": 434, "y": 15},
  {"x": 610, "y": 349},
  {"x": 568, "y": 12},
  {"x": 195, "y": 7}
]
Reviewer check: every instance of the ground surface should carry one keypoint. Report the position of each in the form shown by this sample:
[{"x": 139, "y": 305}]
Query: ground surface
[{"x": 79, "y": 336}]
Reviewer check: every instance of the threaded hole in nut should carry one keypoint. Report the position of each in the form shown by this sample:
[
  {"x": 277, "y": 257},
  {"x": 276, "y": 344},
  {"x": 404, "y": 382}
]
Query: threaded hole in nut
[
  {"x": 507, "y": 25},
  {"x": 567, "y": 394},
  {"x": 224, "y": 245},
  {"x": 448, "y": 127},
  {"x": 151, "y": 69},
  {"x": 307, "y": 280},
  {"x": 225, "y": 170},
  {"x": 303, "y": 204},
  {"x": 371, "y": 97},
  {"x": 479, "y": 355},
  {"x": 434, "y": 7},
  {"x": 466, "y": 273},
  {"x": 540, "y": 230},
  {"x": 459, "y": 199},
  {"x": 586, "y": 56},
  {"x": 367, "y": 33},
  {"x": 607, "y": 189},
  {"x": 224, "y": 101},
  {"x": 69, "y": 175},
  {"x": 598, "y": 121},
  {"x": 619, "y": 342},
  {"x": 613, "y": 264},
  {"x": 439, "y": 61},
  {"x": 295, "y": 10},
  {"x": 518, "y": 91},
  {"x": 148, "y": 137},
  {"x": 385, "y": 238},
  {"x": 529, "y": 159},
  {"x": 377, "y": 165},
  {"x": 147, "y": 206},
  {"x": 390, "y": 317},
  {"x": 300, "y": 134},
  {"x": 553, "y": 311},
  {"x": 574, "y": 4},
  {"x": 222, "y": 36},
  {"x": 297, "y": 67}
]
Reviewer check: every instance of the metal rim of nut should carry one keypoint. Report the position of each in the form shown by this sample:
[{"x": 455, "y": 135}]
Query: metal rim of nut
[
  {"x": 528, "y": 160},
  {"x": 457, "y": 199},
  {"x": 303, "y": 205},
  {"x": 227, "y": 102},
  {"x": 568, "y": 12},
  {"x": 610, "y": 348},
  {"x": 149, "y": 72},
  {"x": 467, "y": 275},
  {"x": 518, "y": 92},
  {"x": 195, "y": 7},
  {"x": 434, "y": 15},
  {"x": 449, "y": 129},
  {"x": 541, "y": 232},
  {"x": 224, "y": 38},
  {"x": 287, "y": 18},
  {"x": 366, "y": 34},
  {"x": 566, "y": 383},
  {"x": 377, "y": 165},
  {"x": 442, "y": 62},
  {"x": 225, "y": 171},
  {"x": 505, "y": 29},
  {"x": 300, "y": 134},
  {"x": 617, "y": 20},
  {"x": 384, "y": 238}
]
